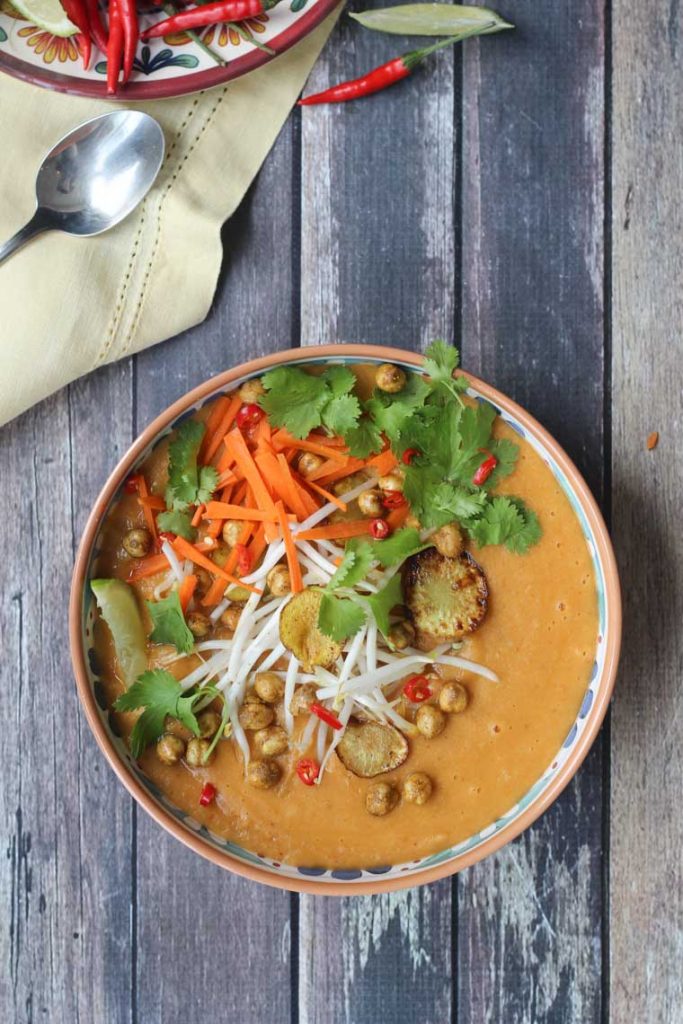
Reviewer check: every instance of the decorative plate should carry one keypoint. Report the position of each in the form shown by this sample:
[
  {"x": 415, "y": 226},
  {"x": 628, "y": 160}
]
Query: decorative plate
[
  {"x": 171, "y": 66},
  {"x": 318, "y": 878}
]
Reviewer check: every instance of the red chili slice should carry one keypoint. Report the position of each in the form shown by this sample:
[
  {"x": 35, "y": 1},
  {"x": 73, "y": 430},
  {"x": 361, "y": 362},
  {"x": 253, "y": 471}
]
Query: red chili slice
[
  {"x": 249, "y": 415},
  {"x": 393, "y": 499},
  {"x": 170, "y": 537},
  {"x": 307, "y": 770},
  {"x": 326, "y": 716},
  {"x": 408, "y": 455},
  {"x": 379, "y": 528},
  {"x": 417, "y": 689},
  {"x": 208, "y": 795},
  {"x": 484, "y": 472},
  {"x": 243, "y": 559},
  {"x": 132, "y": 484}
]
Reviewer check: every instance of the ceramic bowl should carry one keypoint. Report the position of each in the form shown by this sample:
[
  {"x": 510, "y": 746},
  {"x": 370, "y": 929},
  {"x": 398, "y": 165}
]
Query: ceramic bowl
[{"x": 319, "y": 879}]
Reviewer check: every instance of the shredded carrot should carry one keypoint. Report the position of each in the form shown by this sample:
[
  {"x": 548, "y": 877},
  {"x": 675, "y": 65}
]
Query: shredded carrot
[
  {"x": 222, "y": 427},
  {"x": 290, "y": 550},
  {"x": 153, "y": 502},
  {"x": 383, "y": 463},
  {"x": 336, "y": 531},
  {"x": 398, "y": 516},
  {"x": 258, "y": 545},
  {"x": 149, "y": 566},
  {"x": 328, "y": 466},
  {"x": 352, "y": 466},
  {"x": 197, "y": 517},
  {"x": 283, "y": 439},
  {"x": 222, "y": 510},
  {"x": 329, "y": 442},
  {"x": 236, "y": 446},
  {"x": 309, "y": 501},
  {"x": 292, "y": 496},
  {"x": 187, "y": 550},
  {"x": 263, "y": 434},
  {"x": 214, "y": 528},
  {"x": 244, "y": 536},
  {"x": 212, "y": 420},
  {"x": 214, "y": 593},
  {"x": 186, "y": 590},
  {"x": 327, "y": 495},
  {"x": 143, "y": 492}
]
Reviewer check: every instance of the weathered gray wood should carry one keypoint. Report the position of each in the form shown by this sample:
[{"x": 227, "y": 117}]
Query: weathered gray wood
[
  {"x": 646, "y": 871},
  {"x": 65, "y": 886},
  {"x": 529, "y": 927},
  {"x": 209, "y": 944},
  {"x": 378, "y": 182}
]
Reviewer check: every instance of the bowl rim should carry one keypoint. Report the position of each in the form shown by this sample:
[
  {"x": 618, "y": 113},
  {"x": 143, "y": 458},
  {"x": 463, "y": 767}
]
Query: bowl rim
[{"x": 507, "y": 833}]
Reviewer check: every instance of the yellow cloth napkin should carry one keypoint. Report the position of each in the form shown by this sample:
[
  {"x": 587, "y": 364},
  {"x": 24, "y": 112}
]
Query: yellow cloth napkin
[{"x": 68, "y": 305}]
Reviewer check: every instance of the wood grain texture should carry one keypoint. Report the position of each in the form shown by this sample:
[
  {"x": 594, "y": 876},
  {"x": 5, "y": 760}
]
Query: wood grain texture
[
  {"x": 378, "y": 265},
  {"x": 201, "y": 933},
  {"x": 646, "y": 872},
  {"x": 529, "y": 925}
]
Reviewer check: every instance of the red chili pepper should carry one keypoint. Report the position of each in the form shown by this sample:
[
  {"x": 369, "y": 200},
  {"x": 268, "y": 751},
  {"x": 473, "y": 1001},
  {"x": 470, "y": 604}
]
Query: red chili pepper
[
  {"x": 208, "y": 795},
  {"x": 393, "y": 499},
  {"x": 114, "y": 47},
  {"x": 131, "y": 34},
  {"x": 484, "y": 472},
  {"x": 377, "y": 79},
  {"x": 131, "y": 485},
  {"x": 408, "y": 455},
  {"x": 249, "y": 415},
  {"x": 417, "y": 689},
  {"x": 97, "y": 29},
  {"x": 170, "y": 537},
  {"x": 243, "y": 559},
  {"x": 379, "y": 528},
  {"x": 76, "y": 12},
  {"x": 326, "y": 716},
  {"x": 307, "y": 770},
  {"x": 209, "y": 14}
]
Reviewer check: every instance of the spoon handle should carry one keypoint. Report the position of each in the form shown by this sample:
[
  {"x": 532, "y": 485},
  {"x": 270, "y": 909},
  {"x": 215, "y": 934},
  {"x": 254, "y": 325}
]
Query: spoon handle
[{"x": 35, "y": 226}]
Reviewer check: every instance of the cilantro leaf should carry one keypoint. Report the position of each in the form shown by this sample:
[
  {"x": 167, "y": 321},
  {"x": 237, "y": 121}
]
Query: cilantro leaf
[
  {"x": 339, "y": 617},
  {"x": 440, "y": 362},
  {"x": 507, "y": 453},
  {"x": 397, "y": 548},
  {"x": 507, "y": 521},
  {"x": 355, "y": 565},
  {"x": 294, "y": 399},
  {"x": 160, "y": 694},
  {"x": 179, "y": 523},
  {"x": 340, "y": 380},
  {"x": 341, "y": 414},
  {"x": 383, "y": 601},
  {"x": 169, "y": 623},
  {"x": 187, "y": 484},
  {"x": 391, "y": 412},
  {"x": 364, "y": 439}
]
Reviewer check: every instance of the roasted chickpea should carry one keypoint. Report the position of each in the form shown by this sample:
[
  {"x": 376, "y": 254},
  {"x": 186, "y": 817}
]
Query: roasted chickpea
[
  {"x": 304, "y": 696},
  {"x": 448, "y": 540},
  {"x": 402, "y": 634},
  {"x": 308, "y": 463},
  {"x": 197, "y": 753},
  {"x": 453, "y": 698},
  {"x": 269, "y": 687},
  {"x": 251, "y": 391},
  {"x": 137, "y": 543},
  {"x": 176, "y": 728},
  {"x": 279, "y": 581},
  {"x": 231, "y": 616},
  {"x": 272, "y": 741},
  {"x": 255, "y": 715},
  {"x": 170, "y": 748},
  {"x": 232, "y": 531},
  {"x": 204, "y": 579},
  {"x": 198, "y": 624},
  {"x": 348, "y": 483},
  {"x": 390, "y": 378},
  {"x": 209, "y": 723},
  {"x": 380, "y": 798},
  {"x": 263, "y": 774},
  {"x": 392, "y": 481},
  {"x": 430, "y": 720},
  {"x": 417, "y": 788},
  {"x": 370, "y": 503}
]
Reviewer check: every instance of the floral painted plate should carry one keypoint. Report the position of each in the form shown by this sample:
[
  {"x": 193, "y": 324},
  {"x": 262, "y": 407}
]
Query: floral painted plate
[{"x": 172, "y": 66}]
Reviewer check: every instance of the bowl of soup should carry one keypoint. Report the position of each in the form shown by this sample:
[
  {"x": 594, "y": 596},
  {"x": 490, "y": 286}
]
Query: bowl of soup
[{"x": 345, "y": 619}]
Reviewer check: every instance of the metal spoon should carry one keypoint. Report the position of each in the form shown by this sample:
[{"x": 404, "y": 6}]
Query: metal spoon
[{"x": 95, "y": 176}]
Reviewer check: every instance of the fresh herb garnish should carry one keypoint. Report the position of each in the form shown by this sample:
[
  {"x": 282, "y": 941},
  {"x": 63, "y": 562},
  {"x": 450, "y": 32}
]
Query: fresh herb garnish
[
  {"x": 300, "y": 402},
  {"x": 169, "y": 624},
  {"x": 160, "y": 694},
  {"x": 340, "y": 617},
  {"x": 179, "y": 523},
  {"x": 188, "y": 484}
]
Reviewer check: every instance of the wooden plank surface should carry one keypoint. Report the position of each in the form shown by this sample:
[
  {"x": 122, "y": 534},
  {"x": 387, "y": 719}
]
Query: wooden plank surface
[
  {"x": 530, "y": 918},
  {"x": 378, "y": 187},
  {"x": 646, "y": 872}
]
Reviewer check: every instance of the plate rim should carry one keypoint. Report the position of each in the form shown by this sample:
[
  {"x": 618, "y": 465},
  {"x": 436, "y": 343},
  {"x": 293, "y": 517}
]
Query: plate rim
[{"x": 488, "y": 846}]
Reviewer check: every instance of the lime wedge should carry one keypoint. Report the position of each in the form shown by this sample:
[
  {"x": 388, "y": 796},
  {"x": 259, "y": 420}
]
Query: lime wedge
[
  {"x": 119, "y": 609},
  {"x": 46, "y": 14}
]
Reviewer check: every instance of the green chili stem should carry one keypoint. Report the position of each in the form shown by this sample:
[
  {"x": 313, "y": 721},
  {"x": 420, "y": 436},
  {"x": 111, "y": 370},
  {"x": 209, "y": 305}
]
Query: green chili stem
[{"x": 171, "y": 9}]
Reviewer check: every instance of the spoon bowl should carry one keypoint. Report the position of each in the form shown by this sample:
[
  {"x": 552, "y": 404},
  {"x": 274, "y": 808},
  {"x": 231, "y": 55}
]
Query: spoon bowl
[{"x": 95, "y": 176}]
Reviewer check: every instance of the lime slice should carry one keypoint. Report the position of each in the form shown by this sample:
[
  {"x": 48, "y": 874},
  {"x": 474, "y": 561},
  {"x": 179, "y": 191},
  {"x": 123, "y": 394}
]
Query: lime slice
[
  {"x": 46, "y": 14},
  {"x": 119, "y": 609}
]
